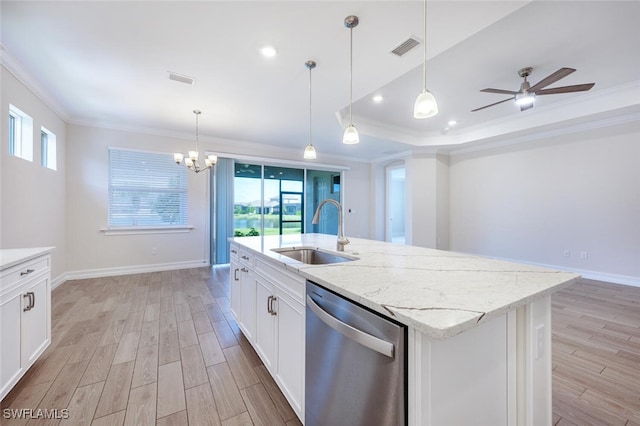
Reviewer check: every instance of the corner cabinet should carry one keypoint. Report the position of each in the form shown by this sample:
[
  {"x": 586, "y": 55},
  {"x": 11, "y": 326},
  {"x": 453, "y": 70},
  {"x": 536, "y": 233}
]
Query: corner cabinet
[
  {"x": 25, "y": 316},
  {"x": 268, "y": 304}
]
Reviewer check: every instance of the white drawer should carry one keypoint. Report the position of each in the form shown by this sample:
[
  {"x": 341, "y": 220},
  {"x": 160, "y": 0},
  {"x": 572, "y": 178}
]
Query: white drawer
[
  {"x": 16, "y": 275},
  {"x": 291, "y": 283},
  {"x": 234, "y": 253},
  {"x": 246, "y": 257}
]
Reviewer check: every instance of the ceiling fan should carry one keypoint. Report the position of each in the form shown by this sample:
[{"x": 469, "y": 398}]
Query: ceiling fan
[{"x": 527, "y": 93}]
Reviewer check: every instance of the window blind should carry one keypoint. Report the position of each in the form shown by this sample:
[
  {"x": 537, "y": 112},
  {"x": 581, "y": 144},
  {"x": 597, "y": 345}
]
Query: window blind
[{"x": 146, "y": 189}]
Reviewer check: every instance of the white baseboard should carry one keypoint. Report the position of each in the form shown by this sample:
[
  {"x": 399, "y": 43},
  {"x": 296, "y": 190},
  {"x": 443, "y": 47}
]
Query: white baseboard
[
  {"x": 590, "y": 275},
  {"x": 125, "y": 270}
]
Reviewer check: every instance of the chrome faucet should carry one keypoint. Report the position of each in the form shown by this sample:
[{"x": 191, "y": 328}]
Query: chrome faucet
[{"x": 342, "y": 240}]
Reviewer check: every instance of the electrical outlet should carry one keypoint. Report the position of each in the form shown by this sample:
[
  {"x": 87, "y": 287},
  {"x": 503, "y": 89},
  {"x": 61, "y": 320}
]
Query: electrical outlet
[
  {"x": 567, "y": 253},
  {"x": 584, "y": 255}
]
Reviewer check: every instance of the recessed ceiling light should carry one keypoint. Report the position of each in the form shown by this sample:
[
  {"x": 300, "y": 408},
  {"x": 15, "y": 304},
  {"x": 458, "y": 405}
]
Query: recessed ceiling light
[
  {"x": 268, "y": 51},
  {"x": 378, "y": 98},
  {"x": 452, "y": 123}
]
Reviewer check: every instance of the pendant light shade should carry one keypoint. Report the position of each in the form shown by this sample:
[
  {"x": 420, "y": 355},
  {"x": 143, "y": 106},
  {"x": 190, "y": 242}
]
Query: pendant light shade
[
  {"x": 425, "y": 105},
  {"x": 310, "y": 150},
  {"x": 351, "y": 136}
]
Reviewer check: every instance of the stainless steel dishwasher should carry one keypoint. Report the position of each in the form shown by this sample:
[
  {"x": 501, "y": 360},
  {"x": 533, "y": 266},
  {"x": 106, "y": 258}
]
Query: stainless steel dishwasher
[{"x": 355, "y": 364}]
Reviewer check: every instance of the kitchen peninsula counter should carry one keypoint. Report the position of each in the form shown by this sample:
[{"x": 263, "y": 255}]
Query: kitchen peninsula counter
[{"x": 439, "y": 293}]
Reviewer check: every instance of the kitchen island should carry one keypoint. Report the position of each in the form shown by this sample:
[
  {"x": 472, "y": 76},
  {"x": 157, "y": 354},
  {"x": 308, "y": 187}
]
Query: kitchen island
[{"x": 479, "y": 332}]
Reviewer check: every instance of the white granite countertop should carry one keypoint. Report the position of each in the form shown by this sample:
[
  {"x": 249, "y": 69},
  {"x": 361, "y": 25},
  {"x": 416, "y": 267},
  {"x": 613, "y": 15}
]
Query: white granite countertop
[
  {"x": 12, "y": 257},
  {"x": 439, "y": 293}
]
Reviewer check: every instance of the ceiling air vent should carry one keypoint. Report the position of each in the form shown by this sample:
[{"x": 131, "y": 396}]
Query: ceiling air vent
[
  {"x": 181, "y": 78},
  {"x": 405, "y": 46}
]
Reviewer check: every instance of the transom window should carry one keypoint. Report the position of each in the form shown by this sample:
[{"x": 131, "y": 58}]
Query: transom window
[{"x": 20, "y": 134}]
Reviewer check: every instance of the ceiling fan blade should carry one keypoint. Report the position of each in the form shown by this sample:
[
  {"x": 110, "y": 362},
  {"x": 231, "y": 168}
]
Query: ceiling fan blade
[
  {"x": 490, "y": 105},
  {"x": 503, "y": 92},
  {"x": 566, "y": 89},
  {"x": 552, "y": 78}
]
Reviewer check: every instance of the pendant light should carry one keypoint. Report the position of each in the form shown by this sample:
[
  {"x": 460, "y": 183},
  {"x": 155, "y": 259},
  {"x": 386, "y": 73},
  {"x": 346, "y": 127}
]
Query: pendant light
[
  {"x": 310, "y": 150},
  {"x": 191, "y": 159},
  {"x": 426, "y": 105},
  {"x": 351, "y": 136}
]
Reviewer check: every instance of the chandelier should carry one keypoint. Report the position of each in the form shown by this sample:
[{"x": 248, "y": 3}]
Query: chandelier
[{"x": 191, "y": 159}]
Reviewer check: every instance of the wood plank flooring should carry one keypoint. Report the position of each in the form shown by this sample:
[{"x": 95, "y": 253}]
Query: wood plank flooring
[
  {"x": 161, "y": 348},
  {"x": 146, "y": 349},
  {"x": 596, "y": 355}
]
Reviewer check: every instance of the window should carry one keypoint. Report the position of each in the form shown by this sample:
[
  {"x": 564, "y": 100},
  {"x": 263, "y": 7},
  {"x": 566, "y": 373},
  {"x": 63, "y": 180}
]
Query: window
[
  {"x": 20, "y": 134},
  {"x": 48, "y": 144},
  {"x": 146, "y": 189}
]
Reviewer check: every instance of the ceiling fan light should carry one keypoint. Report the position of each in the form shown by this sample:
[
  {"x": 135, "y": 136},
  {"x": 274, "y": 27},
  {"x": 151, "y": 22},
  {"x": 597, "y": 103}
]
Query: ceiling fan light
[
  {"x": 425, "y": 106},
  {"x": 350, "y": 136},
  {"x": 525, "y": 99},
  {"x": 310, "y": 152}
]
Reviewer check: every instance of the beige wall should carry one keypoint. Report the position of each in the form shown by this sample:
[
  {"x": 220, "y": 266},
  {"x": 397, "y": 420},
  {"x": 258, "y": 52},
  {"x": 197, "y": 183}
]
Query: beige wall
[
  {"x": 92, "y": 252},
  {"x": 32, "y": 201},
  {"x": 532, "y": 201}
]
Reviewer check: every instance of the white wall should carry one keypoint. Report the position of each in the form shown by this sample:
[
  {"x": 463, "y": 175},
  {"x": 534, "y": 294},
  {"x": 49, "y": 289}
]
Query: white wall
[
  {"x": 32, "y": 206},
  {"x": 91, "y": 252},
  {"x": 532, "y": 201}
]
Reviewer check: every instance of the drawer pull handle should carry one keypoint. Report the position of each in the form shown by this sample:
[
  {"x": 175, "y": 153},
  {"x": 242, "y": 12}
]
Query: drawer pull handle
[
  {"x": 234, "y": 251},
  {"x": 245, "y": 257},
  {"x": 27, "y": 272},
  {"x": 244, "y": 270}
]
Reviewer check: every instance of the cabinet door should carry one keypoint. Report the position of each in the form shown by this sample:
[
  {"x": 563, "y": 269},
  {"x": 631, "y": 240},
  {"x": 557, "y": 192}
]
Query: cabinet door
[
  {"x": 265, "y": 323},
  {"x": 247, "y": 303},
  {"x": 10, "y": 363},
  {"x": 235, "y": 277},
  {"x": 35, "y": 330},
  {"x": 290, "y": 349}
]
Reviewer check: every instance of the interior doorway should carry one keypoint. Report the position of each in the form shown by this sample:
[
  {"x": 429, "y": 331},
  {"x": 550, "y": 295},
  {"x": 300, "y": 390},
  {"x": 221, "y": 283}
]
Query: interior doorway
[{"x": 395, "y": 204}]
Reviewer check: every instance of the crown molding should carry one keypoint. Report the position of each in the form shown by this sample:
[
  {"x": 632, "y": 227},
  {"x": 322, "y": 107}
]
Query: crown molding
[{"x": 11, "y": 64}]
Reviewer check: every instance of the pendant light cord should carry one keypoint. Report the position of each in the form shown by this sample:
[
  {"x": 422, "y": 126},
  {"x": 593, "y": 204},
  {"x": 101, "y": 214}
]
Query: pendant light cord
[
  {"x": 351, "y": 77},
  {"x": 310, "y": 105},
  {"x": 197, "y": 150},
  {"x": 424, "y": 65}
]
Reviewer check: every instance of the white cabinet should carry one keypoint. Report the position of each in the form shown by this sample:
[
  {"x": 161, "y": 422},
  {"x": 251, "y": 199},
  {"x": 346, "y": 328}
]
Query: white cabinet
[
  {"x": 234, "y": 282},
  {"x": 271, "y": 315},
  {"x": 243, "y": 291},
  {"x": 290, "y": 348},
  {"x": 25, "y": 316},
  {"x": 266, "y": 317}
]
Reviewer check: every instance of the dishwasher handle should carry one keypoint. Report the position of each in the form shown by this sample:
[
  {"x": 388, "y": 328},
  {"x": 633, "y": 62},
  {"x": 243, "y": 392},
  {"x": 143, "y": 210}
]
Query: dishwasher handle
[{"x": 381, "y": 346}]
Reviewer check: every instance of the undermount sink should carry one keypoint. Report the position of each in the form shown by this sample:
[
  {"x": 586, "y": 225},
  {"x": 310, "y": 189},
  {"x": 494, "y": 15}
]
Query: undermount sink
[{"x": 313, "y": 256}]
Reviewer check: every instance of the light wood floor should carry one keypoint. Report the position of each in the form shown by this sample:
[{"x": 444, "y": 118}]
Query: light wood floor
[
  {"x": 158, "y": 348},
  {"x": 596, "y": 355},
  {"x": 162, "y": 348}
]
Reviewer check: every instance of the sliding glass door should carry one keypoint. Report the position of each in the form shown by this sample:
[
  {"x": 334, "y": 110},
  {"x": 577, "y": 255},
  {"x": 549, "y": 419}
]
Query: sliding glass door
[
  {"x": 253, "y": 198},
  {"x": 268, "y": 200}
]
